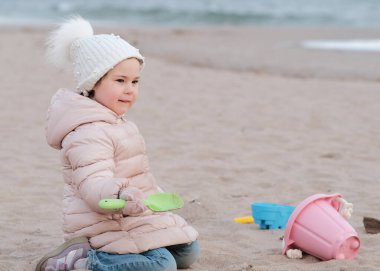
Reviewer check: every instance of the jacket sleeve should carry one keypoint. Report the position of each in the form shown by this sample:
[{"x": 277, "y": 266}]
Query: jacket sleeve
[{"x": 90, "y": 155}]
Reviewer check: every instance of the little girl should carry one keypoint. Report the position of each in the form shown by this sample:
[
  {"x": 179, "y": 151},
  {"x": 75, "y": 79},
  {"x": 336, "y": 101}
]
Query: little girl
[{"x": 103, "y": 156}]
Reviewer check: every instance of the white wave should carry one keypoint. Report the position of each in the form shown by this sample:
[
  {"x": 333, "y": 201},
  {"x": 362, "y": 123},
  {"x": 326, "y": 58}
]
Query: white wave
[{"x": 346, "y": 45}]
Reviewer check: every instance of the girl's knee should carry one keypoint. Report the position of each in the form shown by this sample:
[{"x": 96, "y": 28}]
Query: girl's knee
[
  {"x": 187, "y": 261},
  {"x": 165, "y": 261},
  {"x": 186, "y": 255},
  {"x": 172, "y": 266}
]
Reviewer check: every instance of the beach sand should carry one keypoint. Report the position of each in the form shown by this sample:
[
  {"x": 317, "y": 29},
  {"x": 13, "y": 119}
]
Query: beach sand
[{"x": 230, "y": 116}]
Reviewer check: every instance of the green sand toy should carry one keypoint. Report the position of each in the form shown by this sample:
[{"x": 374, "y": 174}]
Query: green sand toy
[{"x": 159, "y": 202}]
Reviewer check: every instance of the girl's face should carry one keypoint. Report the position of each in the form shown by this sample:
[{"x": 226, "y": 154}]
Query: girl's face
[{"x": 119, "y": 88}]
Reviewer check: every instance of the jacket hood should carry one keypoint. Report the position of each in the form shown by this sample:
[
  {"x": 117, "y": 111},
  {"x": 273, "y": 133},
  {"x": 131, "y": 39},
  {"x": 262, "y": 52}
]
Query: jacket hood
[{"x": 68, "y": 110}]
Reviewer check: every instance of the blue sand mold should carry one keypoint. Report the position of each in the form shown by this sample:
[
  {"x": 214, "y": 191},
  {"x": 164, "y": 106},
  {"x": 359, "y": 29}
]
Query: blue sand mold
[{"x": 270, "y": 215}]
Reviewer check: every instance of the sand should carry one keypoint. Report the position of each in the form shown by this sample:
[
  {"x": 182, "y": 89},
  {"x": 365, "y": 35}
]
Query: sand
[{"x": 230, "y": 116}]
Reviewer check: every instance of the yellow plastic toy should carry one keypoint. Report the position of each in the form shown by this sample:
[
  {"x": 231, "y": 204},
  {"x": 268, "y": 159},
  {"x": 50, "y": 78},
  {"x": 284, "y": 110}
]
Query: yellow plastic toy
[{"x": 244, "y": 220}]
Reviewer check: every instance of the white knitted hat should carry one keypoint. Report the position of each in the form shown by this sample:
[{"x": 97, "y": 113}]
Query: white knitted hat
[{"x": 91, "y": 56}]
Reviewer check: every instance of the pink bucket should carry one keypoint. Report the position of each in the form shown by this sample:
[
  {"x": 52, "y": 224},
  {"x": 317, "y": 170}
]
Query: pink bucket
[{"x": 317, "y": 228}]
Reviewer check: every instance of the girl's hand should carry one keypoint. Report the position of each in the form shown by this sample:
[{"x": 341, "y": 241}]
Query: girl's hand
[{"x": 134, "y": 205}]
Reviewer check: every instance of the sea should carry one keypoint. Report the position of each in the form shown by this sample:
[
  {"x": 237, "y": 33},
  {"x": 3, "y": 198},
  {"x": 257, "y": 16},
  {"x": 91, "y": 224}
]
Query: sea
[
  {"x": 351, "y": 13},
  {"x": 337, "y": 13}
]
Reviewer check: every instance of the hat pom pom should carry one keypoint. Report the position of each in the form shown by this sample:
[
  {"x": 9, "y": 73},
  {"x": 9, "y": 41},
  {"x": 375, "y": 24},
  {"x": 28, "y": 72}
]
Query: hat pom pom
[{"x": 59, "y": 42}]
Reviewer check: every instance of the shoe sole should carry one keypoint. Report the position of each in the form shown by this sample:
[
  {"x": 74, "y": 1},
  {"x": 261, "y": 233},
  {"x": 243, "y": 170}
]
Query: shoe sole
[{"x": 59, "y": 250}]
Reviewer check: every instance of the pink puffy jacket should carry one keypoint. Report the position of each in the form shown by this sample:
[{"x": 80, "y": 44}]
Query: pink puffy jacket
[{"x": 102, "y": 153}]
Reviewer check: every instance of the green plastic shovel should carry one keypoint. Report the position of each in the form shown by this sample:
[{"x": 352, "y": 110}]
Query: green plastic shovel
[{"x": 159, "y": 202}]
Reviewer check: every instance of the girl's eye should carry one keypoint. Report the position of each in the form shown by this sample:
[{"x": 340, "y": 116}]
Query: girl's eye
[
  {"x": 135, "y": 82},
  {"x": 120, "y": 80}
]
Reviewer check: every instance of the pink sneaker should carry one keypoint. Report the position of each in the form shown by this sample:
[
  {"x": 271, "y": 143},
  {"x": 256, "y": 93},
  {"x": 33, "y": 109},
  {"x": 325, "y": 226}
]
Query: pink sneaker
[{"x": 64, "y": 257}]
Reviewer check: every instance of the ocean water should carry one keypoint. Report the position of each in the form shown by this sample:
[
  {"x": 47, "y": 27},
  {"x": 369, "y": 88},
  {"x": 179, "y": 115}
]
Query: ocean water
[
  {"x": 351, "y": 13},
  {"x": 344, "y": 13}
]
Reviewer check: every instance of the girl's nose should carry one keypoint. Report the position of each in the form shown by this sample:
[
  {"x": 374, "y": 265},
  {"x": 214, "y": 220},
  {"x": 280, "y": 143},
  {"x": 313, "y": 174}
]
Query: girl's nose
[{"x": 128, "y": 88}]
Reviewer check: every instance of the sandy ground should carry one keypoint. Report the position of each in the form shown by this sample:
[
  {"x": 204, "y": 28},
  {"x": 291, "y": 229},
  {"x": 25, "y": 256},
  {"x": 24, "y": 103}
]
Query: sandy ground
[{"x": 248, "y": 116}]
